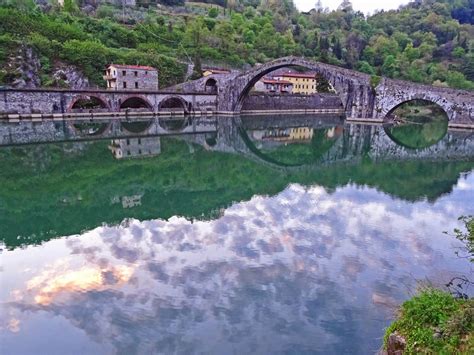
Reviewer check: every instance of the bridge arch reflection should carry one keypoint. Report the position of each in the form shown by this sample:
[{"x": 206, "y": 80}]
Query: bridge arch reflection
[
  {"x": 136, "y": 127},
  {"x": 416, "y": 124},
  {"x": 290, "y": 144}
]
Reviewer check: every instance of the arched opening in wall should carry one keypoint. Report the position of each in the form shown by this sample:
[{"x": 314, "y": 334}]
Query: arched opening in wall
[
  {"x": 416, "y": 124},
  {"x": 291, "y": 88},
  {"x": 136, "y": 126},
  {"x": 89, "y": 104},
  {"x": 291, "y": 141},
  {"x": 174, "y": 105},
  {"x": 136, "y": 104},
  {"x": 211, "y": 86}
]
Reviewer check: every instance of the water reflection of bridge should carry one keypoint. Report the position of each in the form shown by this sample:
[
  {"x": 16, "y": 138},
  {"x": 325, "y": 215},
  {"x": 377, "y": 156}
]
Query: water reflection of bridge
[
  {"x": 97, "y": 129},
  {"x": 231, "y": 134}
]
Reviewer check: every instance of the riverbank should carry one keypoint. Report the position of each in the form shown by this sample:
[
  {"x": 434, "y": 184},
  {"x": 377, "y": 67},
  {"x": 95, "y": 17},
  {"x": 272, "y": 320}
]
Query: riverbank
[{"x": 432, "y": 322}]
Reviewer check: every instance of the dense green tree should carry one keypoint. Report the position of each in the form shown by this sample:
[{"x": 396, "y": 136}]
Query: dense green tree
[
  {"x": 429, "y": 41},
  {"x": 365, "y": 67}
]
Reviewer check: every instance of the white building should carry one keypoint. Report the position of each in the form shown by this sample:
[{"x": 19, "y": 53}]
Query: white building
[{"x": 135, "y": 147}]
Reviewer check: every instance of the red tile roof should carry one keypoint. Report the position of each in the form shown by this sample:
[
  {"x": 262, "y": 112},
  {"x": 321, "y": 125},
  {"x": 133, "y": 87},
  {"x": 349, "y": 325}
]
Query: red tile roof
[
  {"x": 139, "y": 67},
  {"x": 298, "y": 75},
  {"x": 273, "y": 81}
]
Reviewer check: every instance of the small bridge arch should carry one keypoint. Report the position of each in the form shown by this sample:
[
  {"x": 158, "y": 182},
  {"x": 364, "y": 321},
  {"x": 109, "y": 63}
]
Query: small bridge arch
[
  {"x": 439, "y": 101},
  {"x": 211, "y": 86},
  {"x": 458, "y": 104},
  {"x": 174, "y": 103},
  {"x": 88, "y": 103},
  {"x": 136, "y": 102}
]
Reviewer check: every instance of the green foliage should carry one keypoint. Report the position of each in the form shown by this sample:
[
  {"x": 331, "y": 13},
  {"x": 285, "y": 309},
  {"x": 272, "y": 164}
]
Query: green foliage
[
  {"x": 365, "y": 67},
  {"x": 434, "y": 311},
  {"x": 466, "y": 237},
  {"x": 70, "y": 6},
  {"x": 407, "y": 44},
  {"x": 57, "y": 189},
  {"x": 213, "y": 12},
  {"x": 375, "y": 81},
  {"x": 90, "y": 56}
]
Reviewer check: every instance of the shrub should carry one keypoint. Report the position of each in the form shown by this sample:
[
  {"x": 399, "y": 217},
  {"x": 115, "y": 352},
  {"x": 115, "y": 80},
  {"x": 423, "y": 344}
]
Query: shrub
[{"x": 434, "y": 322}]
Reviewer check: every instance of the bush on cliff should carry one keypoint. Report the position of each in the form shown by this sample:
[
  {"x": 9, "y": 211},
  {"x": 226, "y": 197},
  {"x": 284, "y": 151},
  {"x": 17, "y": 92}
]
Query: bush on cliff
[{"x": 435, "y": 322}]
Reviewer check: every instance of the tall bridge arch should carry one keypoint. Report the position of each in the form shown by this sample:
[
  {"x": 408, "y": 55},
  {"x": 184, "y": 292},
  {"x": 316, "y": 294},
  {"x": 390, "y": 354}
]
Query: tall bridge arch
[
  {"x": 360, "y": 95},
  {"x": 352, "y": 87}
]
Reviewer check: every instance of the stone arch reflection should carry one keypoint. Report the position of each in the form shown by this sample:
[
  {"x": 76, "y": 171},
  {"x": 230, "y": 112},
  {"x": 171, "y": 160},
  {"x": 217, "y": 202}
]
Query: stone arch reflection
[
  {"x": 416, "y": 124},
  {"x": 136, "y": 126},
  {"x": 290, "y": 143},
  {"x": 173, "y": 123},
  {"x": 90, "y": 128}
]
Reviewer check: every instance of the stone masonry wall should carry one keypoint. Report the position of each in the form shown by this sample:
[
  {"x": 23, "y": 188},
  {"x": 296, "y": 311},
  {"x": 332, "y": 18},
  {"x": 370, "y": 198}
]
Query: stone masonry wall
[{"x": 262, "y": 101}]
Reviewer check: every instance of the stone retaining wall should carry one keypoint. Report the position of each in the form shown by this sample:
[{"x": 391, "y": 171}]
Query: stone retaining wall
[{"x": 269, "y": 102}]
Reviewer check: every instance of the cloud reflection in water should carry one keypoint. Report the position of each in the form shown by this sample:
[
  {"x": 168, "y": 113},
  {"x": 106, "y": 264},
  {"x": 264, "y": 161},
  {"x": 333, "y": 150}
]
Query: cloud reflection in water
[{"x": 303, "y": 271}]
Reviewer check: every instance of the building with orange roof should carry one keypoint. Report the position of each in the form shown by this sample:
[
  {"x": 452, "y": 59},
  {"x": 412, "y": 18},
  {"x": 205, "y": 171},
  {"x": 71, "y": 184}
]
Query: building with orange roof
[
  {"x": 273, "y": 85},
  {"x": 303, "y": 83},
  {"x": 131, "y": 77}
]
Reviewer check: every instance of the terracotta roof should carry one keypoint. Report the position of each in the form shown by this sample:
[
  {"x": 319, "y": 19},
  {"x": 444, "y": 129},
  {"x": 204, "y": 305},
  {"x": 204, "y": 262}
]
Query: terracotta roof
[
  {"x": 273, "y": 81},
  {"x": 216, "y": 71},
  {"x": 298, "y": 75},
  {"x": 140, "y": 67}
]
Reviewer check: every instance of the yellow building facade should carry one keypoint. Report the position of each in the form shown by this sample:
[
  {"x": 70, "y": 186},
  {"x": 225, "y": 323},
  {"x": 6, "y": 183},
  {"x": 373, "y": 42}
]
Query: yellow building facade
[{"x": 305, "y": 84}]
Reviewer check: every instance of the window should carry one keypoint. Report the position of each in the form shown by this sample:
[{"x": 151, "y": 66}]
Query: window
[
  {"x": 136, "y": 85},
  {"x": 146, "y": 73},
  {"x": 128, "y": 152},
  {"x": 128, "y": 141},
  {"x": 139, "y": 151},
  {"x": 124, "y": 84},
  {"x": 124, "y": 72},
  {"x": 139, "y": 141},
  {"x": 136, "y": 73}
]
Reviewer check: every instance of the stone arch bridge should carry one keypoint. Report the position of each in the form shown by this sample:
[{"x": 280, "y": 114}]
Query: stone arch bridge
[
  {"x": 66, "y": 101},
  {"x": 362, "y": 97}
]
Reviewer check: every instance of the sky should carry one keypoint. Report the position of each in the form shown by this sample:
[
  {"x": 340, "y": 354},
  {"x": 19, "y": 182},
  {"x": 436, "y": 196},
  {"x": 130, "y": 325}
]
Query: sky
[{"x": 366, "y": 6}]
